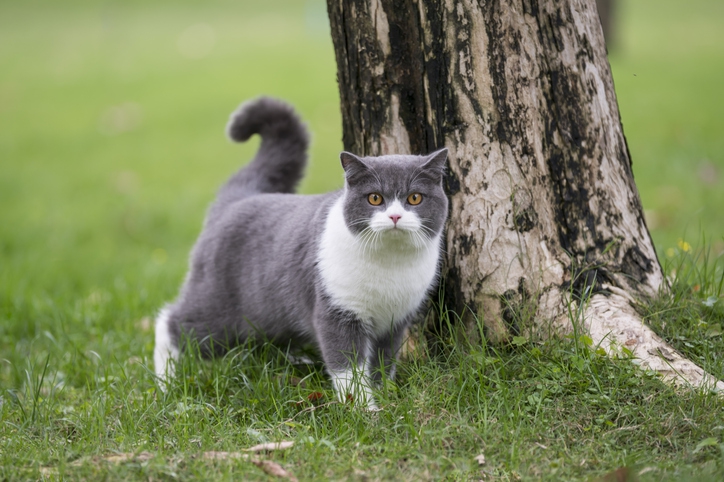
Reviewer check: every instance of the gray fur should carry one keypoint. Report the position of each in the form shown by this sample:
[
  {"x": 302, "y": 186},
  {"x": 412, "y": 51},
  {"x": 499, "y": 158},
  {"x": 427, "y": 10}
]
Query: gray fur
[{"x": 253, "y": 271}]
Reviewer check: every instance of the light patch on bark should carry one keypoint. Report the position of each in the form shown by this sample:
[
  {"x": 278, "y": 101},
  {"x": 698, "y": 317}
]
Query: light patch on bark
[
  {"x": 382, "y": 26},
  {"x": 395, "y": 139},
  {"x": 612, "y": 324}
]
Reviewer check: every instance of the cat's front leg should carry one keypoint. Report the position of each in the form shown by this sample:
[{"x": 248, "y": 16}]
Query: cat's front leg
[
  {"x": 385, "y": 350},
  {"x": 346, "y": 348}
]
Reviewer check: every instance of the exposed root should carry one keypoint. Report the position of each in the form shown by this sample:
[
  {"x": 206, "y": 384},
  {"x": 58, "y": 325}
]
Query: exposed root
[{"x": 613, "y": 323}]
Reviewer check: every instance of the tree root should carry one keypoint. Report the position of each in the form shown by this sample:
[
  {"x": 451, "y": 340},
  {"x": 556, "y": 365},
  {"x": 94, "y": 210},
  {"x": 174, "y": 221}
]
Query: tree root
[{"x": 612, "y": 324}]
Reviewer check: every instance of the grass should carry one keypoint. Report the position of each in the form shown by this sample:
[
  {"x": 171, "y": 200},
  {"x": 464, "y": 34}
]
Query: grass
[
  {"x": 553, "y": 410},
  {"x": 111, "y": 147}
]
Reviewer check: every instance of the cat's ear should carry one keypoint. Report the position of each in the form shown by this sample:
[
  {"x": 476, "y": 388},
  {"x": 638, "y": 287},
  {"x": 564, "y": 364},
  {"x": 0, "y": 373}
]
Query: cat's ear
[
  {"x": 435, "y": 162},
  {"x": 351, "y": 164}
]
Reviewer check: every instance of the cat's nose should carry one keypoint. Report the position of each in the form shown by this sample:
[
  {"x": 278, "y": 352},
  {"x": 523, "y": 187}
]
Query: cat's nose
[{"x": 395, "y": 218}]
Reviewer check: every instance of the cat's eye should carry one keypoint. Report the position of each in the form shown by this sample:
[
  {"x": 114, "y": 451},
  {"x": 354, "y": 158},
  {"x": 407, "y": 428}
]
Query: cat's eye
[
  {"x": 415, "y": 198},
  {"x": 374, "y": 199}
]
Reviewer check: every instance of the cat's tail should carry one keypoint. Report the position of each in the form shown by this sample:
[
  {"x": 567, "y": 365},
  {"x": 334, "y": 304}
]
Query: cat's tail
[{"x": 280, "y": 161}]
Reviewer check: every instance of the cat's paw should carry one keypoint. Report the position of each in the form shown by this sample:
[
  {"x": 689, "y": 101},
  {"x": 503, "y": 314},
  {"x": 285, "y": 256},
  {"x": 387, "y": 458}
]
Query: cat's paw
[
  {"x": 352, "y": 386},
  {"x": 366, "y": 404}
]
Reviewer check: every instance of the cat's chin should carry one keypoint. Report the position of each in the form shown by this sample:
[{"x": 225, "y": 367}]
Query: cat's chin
[{"x": 402, "y": 238}]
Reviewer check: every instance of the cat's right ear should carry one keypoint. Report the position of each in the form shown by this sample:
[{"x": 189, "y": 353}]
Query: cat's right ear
[{"x": 351, "y": 164}]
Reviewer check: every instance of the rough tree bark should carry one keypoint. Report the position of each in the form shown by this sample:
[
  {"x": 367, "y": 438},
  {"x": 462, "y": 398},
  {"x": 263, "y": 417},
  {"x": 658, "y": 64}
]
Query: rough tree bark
[{"x": 544, "y": 210}]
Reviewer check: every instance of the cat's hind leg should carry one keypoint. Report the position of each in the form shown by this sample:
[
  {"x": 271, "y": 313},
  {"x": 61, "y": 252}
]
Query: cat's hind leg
[{"x": 165, "y": 352}]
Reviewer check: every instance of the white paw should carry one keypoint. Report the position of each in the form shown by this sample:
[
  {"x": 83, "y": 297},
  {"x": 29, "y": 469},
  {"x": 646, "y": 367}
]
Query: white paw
[{"x": 354, "y": 386}]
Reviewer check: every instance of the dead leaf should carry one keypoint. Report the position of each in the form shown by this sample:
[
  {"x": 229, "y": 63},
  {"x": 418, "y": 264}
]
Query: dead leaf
[
  {"x": 127, "y": 457},
  {"x": 273, "y": 468},
  {"x": 268, "y": 447},
  {"x": 622, "y": 474},
  {"x": 314, "y": 396},
  {"x": 223, "y": 455},
  {"x": 480, "y": 459},
  {"x": 117, "y": 458}
]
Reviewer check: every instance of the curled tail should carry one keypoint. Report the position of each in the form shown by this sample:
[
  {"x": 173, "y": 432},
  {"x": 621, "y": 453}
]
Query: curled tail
[{"x": 280, "y": 161}]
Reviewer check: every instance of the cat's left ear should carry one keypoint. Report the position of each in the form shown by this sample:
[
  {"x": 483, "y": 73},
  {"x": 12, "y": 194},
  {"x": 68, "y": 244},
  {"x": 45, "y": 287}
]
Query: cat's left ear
[
  {"x": 351, "y": 164},
  {"x": 436, "y": 161}
]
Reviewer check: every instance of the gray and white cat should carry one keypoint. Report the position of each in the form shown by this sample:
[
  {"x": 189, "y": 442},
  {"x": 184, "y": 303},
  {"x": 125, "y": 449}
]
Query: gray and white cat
[{"x": 347, "y": 271}]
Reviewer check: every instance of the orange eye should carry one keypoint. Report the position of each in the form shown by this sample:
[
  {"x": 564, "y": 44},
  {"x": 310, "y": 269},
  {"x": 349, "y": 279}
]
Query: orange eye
[
  {"x": 415, "y": 198},
  {"x": 374, "y": 199}
]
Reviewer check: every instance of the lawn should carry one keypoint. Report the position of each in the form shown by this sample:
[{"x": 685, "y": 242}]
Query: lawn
[{"x": 112, "y": 145}]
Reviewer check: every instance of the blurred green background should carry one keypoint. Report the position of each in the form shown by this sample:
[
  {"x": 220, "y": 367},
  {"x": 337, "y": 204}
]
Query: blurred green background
[{"x": 112, "y": 144}]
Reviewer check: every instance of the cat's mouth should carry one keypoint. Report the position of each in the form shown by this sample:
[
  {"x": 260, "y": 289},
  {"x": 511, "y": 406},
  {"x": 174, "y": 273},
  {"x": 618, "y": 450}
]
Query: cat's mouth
[{"x": 396, "y": 230}]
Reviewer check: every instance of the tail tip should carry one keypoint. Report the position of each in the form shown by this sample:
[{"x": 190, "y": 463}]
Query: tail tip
[{"x": 260, "y": 114}]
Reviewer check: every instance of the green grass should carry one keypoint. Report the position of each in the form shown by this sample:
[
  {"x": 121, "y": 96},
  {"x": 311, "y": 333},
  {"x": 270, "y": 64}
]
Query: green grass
[{"x": 111, "y": 147}]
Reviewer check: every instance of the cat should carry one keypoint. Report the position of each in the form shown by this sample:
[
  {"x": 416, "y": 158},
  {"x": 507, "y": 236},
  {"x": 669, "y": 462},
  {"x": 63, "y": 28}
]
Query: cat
[{"x": 347, "y": 271}]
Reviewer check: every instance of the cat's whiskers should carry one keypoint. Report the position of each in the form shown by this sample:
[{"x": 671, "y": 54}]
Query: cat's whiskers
[
  {"x": 421, "y": 239},
  {"x": 359, "y": 221},
  {"x": 369, "y": 238},
  {"x": 364, "y": 239},
  {"x": 429, "y": 232}
]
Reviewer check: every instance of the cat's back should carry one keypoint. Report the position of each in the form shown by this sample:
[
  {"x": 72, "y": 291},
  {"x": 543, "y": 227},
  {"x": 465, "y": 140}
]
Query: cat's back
[{"x": 267, "y": 226}]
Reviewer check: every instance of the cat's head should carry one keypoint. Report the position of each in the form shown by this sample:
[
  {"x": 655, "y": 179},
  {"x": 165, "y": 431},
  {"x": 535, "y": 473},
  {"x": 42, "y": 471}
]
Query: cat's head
[{"x": 397, "y": 198}]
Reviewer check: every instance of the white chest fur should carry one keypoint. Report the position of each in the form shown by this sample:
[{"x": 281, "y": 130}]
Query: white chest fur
[{"x": 382, "y": 286}]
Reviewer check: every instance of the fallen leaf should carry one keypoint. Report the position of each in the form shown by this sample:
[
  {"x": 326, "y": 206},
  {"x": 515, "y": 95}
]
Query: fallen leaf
[
  {"x": 268, "y": 447},
  {"x": 480, "y": 459},
  {"x": 125, "y": 457},
  {"x": 314, "y": 396},
  {"x": 223, "y": 455},
  {"x": 622, "y": 474},
  {"x": 117, "y": 458},
  {"x": 273, "y": 468}
]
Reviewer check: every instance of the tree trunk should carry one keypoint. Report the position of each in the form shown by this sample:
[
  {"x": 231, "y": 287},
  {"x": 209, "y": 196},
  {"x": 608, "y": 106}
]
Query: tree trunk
[{"x": 545, "y": 214}]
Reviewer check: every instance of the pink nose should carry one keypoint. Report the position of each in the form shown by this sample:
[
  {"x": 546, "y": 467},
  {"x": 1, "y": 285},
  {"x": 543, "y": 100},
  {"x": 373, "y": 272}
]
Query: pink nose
[{"x": 395, "y": 218}]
